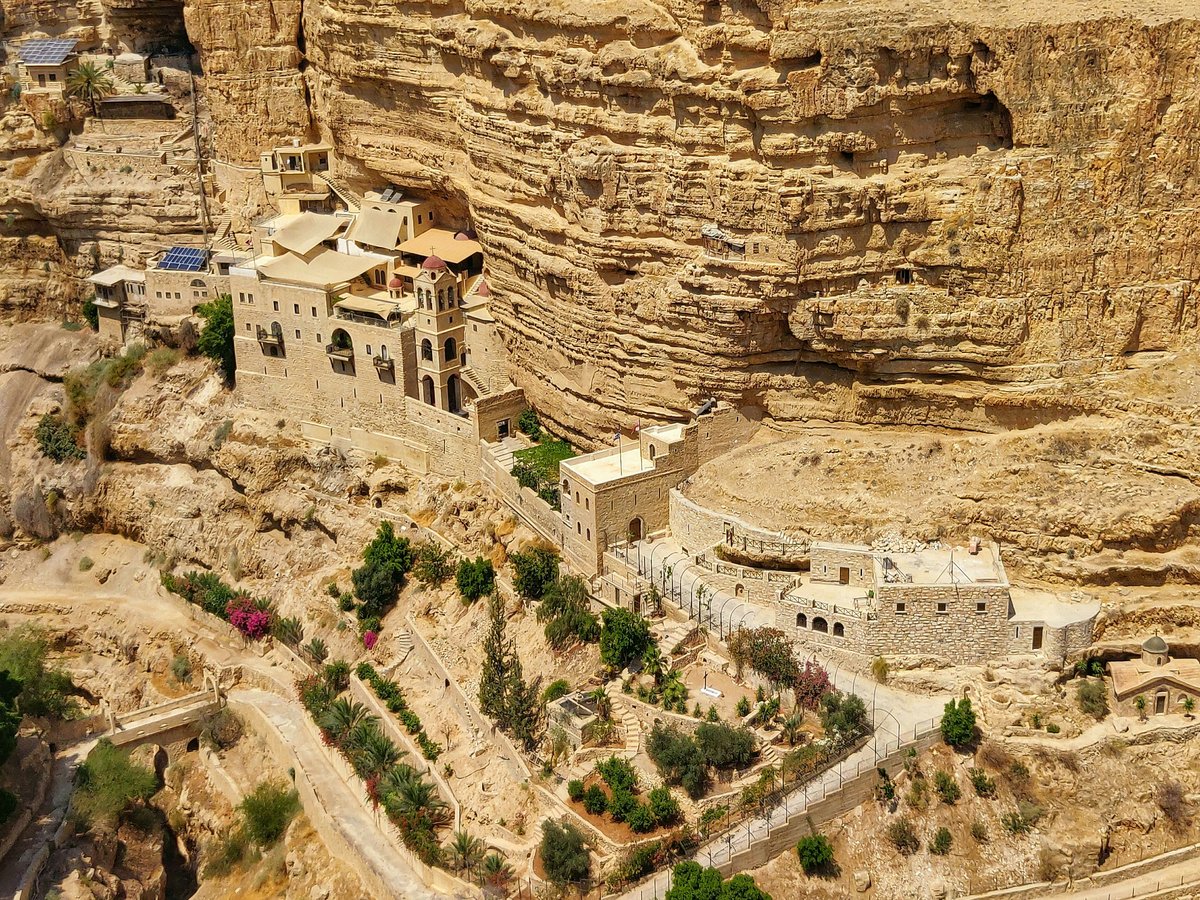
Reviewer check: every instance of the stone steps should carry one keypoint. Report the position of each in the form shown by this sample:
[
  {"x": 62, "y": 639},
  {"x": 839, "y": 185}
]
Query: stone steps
[
  {"x": 630, "y": 727},
  {"x": 404, "y": 645},
  {"x": 471, "y": 377},
  {"x": 351, "y": 201}
]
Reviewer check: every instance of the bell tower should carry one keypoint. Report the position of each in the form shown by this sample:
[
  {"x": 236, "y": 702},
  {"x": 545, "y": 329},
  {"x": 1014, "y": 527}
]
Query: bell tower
[{"x": 439, "y": 331}]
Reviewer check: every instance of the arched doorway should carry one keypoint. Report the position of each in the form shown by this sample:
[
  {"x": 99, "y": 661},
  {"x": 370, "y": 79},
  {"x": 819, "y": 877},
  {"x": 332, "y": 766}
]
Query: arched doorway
[
  {"x": 801, "y": 620},
  {"x": 819, "y": 624},
  {"x": 427, "y": 350},
  {"x": 451, "y": 349},
  {"x": 636, "y": 529},
  {"x": 839, "y": 630},
  {"x": 427, "y": 390},
  {"x": 453, "y": 393}
]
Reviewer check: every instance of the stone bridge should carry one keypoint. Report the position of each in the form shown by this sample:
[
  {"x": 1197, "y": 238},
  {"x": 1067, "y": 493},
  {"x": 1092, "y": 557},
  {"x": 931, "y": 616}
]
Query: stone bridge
[{"x": 173, "y": 725}]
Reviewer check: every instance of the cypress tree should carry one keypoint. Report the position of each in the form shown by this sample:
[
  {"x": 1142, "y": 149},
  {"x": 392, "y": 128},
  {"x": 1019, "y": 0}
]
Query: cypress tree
[{"x": 493, "y": 676}]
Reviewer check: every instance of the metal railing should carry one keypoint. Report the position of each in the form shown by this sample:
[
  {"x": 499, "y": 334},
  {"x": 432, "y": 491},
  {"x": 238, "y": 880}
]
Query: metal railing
[{"x": 364, "y": 319}]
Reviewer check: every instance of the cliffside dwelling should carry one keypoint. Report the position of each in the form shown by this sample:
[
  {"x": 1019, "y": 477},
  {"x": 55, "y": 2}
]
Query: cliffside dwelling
[
  {"x": 295, "y": 177},
  {"x": 45, "y": 65},
  {"x": 1163, "y": 683}
]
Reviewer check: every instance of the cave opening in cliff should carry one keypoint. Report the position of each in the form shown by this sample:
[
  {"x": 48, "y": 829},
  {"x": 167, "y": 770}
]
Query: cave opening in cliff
[{"x": 155, "y": 27}]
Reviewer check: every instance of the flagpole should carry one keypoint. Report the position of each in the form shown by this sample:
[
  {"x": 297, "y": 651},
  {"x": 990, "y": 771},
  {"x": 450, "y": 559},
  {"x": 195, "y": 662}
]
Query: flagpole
[{"x": 620, "y": 459}]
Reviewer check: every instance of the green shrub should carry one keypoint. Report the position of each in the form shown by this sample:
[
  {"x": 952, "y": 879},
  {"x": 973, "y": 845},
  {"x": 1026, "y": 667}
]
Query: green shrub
[
  {"x": 475, "y": 578},
  {"x": 678, "y": 759},
  {"x": 1053, "y": 727},
  {"x": 725, "y": 747},
  {"x": 91, "y": 313},
  {"x": 566, "y": 609},
  {"x": 984, "y": 785},
  {"x": 624, "y": 637},
  {"x": 564, "y": 853},
  {"x": 108, "y": 782},
  {"x": 534, "y": 570},
  {"x": 617, "y": 773},
  {"x": 386, "y": 560},
  {"x": 815, "y": 853},
  {"x": 216, "y": 338},
  {"x": 942, "y": 840},
  {"x": 844, "y": 717},
  {"x": 221, "y": 729},
  {"x": 640, "y": 819},
  {"x": 1092, "y": 697},
  {"x": 621, "y": 804},
  {"x": 594, "y": 800},
  {"x": 231, "y": 850},
  {"x": 903, "y": 837},
  {"x": 743, "y": 707},
  {"x": 433, "y": 564},
  {"x": 979, "y": 831},
  {"x": 1022, "y": 820},
  {"x": 267, "y": 811},
  {"x": 663, "y": 806},
  {"x": 946, "y": 787},
  {"x": 57, "y": 439},
  {"x": 880, "y": 669},
  {"x": 181, "y": 668},
  {"x": 529, "y": 423},
  {"x": 958, "y": 723},
  {"x": 86, "y": 564},
  {"x": 555, "y": 690},
  {"x": 575, "y": 789}
]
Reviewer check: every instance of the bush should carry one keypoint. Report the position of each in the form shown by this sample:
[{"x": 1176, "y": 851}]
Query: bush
[
  {"x": 979, "y": 831},
  {"x": 815, "y": 853},
  {"x": 216, "y": 338},
  {"x": 1092, "y": 697},
  {"x": 624, "y": 638},
  {"x": 108, "y": 782},
  {"x": 346, "y": 602},
  {"x": 564, "y": 853},
  {"x": 221, "y": 729},
  {"x": 267, "y": 810},
  {"x": 958, "y": 723},
  {"x": 947, "y": 788},
  {"x": 903, "y": 837},
  {"x": 91, "y": 313},
  {"x": 1170, "y": 799},
  {"x": 475, "y": 578},
  {"x": 575, "y": 789},
  {"x": 529, "y": 423},
  {"x": 663, "y": 806},
  {"x": 640, "y": 819},
  {"x": 617, "y": 773},
  {"x": 678, "y": 759},
  {"x": 942, "y": 840},
  {"x": 844, "y": 717},
  {"x": 594, "y": 800},
  {"x": 44, "y": 691},
  {"x": 181, "y": 668},
  {"x": 534, "y": 570},
  {"x": 566, "y": 610},
  {"x": 725, "y": 747},
  {"x": 621, "y": 804},
  {"x": 880, "y": 669},
  {"x": 1053, "y": 728},
  {"x": 556, "y": 689},
  {"x": 1023, "y": 819},
  {"x": 386, "y": 560},
  {"x": 57, "y": 439},
  {"x": 984, "y": 786},
  {"x": 86, "y": 564},
  {"x": 743, "y": 708},
  {"x": 432, "y": 564}
]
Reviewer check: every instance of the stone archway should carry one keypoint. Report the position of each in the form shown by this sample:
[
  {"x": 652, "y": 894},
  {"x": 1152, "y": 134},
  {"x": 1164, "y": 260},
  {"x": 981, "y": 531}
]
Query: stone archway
[{"x": 636, "y": 529}]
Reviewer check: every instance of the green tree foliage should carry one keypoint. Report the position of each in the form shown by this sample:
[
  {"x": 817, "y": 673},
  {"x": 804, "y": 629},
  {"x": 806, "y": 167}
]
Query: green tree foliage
[
  {"x": 725, "y": 747},
  {"x": 958, "y": 723},
  {"x": 663, "y": 806},
  {"x": 475, "y": 578},
  {"x": 678, "y": 759},
  {"x": 941, "y": 843},
  {"x": 903, "y": 836},
  {"x": 267, "y": 811},
  {"x": 504, "y": 695},
  {"x": 691, "y": 881},
  {"x": 564, "y": 853},
  {"x": 45, "y": 691},
  {"x": 767, "y": 651},
  {"x": 216, "y": 338},
  {"x": 946, "y": 787},
  {"x": 844, "y": 717},
  {"x": 566, "y": 611},
  {"x": 10, "y": 714},
  {"x": 433, "y": 564},
  {"x": 530, "y": 424},
  {"x": 624, "y": 637},
  {"x": 560, "y": 687},
  {"x": 57, "y": 439},
  {"x": 534, "y": 570},
  {"x": 91, "y": 313},
  {"x": 594, "y": 800},
  {"x": 1092, "y": 697},
  {"x": 815, "y": 853},
  {"x": 107, "y": 783},
  {"x": 386, "y": 560},
  {"x": 91, "y": 84}
]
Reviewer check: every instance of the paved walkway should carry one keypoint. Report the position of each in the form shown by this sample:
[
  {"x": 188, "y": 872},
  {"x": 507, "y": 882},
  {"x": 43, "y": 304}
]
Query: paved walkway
[{"x": 1169, "y": 878}]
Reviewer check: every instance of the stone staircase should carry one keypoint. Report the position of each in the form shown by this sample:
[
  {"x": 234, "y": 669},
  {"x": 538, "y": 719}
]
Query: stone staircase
[
  {"x": 503, "y": 451},
  {"x": 404, "y": 645},
  {"x": 343, "y": 193},
  {"x": 674, "y": 635},
  {"x": 475, "y": 380},
  {"x": 627, "y": 721},
  {"x": 223, "y": 233}
]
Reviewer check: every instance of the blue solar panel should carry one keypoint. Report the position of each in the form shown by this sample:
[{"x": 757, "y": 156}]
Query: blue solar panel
[
  {"x": 184, "y": 259},
  {"x": 50, "y": 52}
]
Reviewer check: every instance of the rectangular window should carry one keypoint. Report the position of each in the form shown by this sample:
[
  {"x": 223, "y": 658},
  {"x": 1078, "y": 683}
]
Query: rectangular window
[
  {"x": 314, "y": 312},
  {"x": 158, "y": 294},
  {"x": 249, "y": 298},
  {"x": 247, "y": 326},
  {"x": 297, "y": 334},
  {"x": 981, "y": 607},
  {"x": 418, "y": 218},
  {"x": 275, "y": 305},
  {"x": 901, "y": 606},
  {"x": 318, "y": 338},
  {"x": 296, "y": 309},
  {"x": 942, "y": 608},
  {"x": 177, "y": 297},
  {"x": 195, "y": 294},
  {"x": 431, "y": 215},
  {"x": 241, "y": 296},
  {"x": 369, "y": 350}
]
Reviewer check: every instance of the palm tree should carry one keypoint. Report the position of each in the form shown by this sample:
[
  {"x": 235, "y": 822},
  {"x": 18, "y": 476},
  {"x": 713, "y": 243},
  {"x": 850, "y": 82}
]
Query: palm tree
[
  {"x": 791, "y": 727},
  {"x": 652, "y": 663},
  {"x": 496, "y": 872},
  {"x": 90, "y": 84},
  {"x": 466, "y": 851},
  {"x": 371, "y": 751},
  {"x": 341, "y": 718},
  {"x": 1189, "y": 703},
  {"x": 415, "y": 801},
  {"x": 603, "y": 703}
]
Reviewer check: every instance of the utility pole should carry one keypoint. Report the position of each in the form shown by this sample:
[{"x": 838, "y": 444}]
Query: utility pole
[{"x": 205, "y": 221}]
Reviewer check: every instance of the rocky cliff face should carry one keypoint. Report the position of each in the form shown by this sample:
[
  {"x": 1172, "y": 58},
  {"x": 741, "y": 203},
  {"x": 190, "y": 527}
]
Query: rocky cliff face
[{"x": 938, "y": 191}]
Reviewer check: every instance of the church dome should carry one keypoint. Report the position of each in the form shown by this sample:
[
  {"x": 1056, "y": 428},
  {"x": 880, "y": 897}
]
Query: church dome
[
  {"x": 395, "y": 284},
  {"x": 433, "y": 263},
  {"x": 1155, "y": 644}
]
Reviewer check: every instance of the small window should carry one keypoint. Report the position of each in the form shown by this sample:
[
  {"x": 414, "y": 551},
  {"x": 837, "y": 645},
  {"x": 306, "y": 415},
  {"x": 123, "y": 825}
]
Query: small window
[
  {"x": 589, "y": 534},
  {"x": 419, "y": 218},
  {"x": 275, "y": 305},
  {"x": 587, "y": 502},
  {"x": 195, "y": 294},
  {"x": 247, "y": 326},
  {"x": 241, "y": 296},
  {"x": 369, "y": 353},
  {"x": 296, "y": 309},
  {"x": 314, "y": 312},
  {"x": 53, "y": 76},
  {"x": 297, "y": 334},
  {"x": 249, "y": 298},
  {"x": 1017, "y": 631},
  {"x": 319, "y": 338},
  {"x": 904, "y": 276},
  {"x": 177, "y": 296},
  {"x": 158, "y": 294},
  {"x": 431, "y": 215},
  {"x": 981, "y": 606},
  {"x": 901, "y": 607},
  {"x": 942, "y": 608},
  {"x": 578, "y": 528},
  {"x": 577, "y": 496}
]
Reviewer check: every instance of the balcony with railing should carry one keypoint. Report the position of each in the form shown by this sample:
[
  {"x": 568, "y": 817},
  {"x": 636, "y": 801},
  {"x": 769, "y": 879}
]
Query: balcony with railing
[
  {"x": 273, "y": 336},
  {"x": 384, "y": 363}
]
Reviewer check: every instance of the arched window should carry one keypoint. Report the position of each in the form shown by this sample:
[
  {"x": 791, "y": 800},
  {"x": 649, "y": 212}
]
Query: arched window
[
  {"x": 341, "y": 340},
  {"x": 819, "y": 624},
  {"x": 739, "y": 590},
  {"x": 636, "y": 528},
  {"x": 451, "y": 349},
  {"x": 441, "y": 300},
  {"x": 839, "y": 630},
  {"x": 276, "y": 330},
  {"x": 566, "y": 489},
  {"x": 801, "y": 620},
  {"x": 453, "y": 394},
  {"x": 653, "y": 451},
  {"x": 427, "y": 349},
  {"x": 198, "y": 282},
  {"x": 427, "y": 390},
  {"x": 383, "y": 351}
]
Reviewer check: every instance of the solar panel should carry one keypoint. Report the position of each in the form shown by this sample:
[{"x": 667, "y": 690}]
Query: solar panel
[
  {"x": 46, "y": 52},
  {"x": 184, "y": 259}
]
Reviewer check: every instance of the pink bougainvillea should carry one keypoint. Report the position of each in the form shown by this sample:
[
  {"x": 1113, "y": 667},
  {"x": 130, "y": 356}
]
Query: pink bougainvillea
[
  {"x": 369, "y": 639},
  {"x": 252, "y": 622}
]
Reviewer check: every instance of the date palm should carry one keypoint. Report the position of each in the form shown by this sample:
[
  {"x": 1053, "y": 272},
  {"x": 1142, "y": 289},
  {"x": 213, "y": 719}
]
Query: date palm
[
  {"x": 341, "y": 717},
  {"x": 466, "y": 851},
  {"x": 603, "y": 703},
  {"x": 652, "y": 663},
  {"x": 414, "y": 801},
  {"x": 791, "y": 728},
  {"x": 371, "y": 751},
  {"x": 90, "y": 84},
  {"x": 496, "y": 872}
]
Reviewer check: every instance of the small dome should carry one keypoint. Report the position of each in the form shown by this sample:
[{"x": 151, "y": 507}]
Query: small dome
[
  {"x": 461, "y": 236},
  {"x": 1155, "y": 645},
  {"x": 395, "y": 284},
  {"x": 483, "y": 290},
  {"x": 433, "y": 262}
]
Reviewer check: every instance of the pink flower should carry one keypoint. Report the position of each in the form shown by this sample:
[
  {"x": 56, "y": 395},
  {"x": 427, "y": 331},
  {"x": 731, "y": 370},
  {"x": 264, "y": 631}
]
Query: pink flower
[
  {"x": 369, "y": 639},
  {"x": 252, "y": 622}
]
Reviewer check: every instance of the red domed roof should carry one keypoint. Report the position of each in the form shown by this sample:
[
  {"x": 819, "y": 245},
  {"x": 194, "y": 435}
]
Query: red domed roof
[
  {"x": 395, "y": 284},
  {"x": 433, "y": 262},
  {"x": 483, "y": 290},
  {"x": 461, "y": 236}
]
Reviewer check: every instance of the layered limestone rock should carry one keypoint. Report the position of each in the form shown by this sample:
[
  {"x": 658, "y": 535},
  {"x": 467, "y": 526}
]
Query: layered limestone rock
[{"x": 901, "y": 192}]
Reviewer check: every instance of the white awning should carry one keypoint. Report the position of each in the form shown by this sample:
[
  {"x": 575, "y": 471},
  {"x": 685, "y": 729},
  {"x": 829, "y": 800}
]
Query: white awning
[
  {"x": 381, "y": 308},
  {"x": 308, "y": 230},
  {"x": 376, "y": 228},
  {"x": 116, "y": 274},
  {"x": 324, "y": 268}
]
